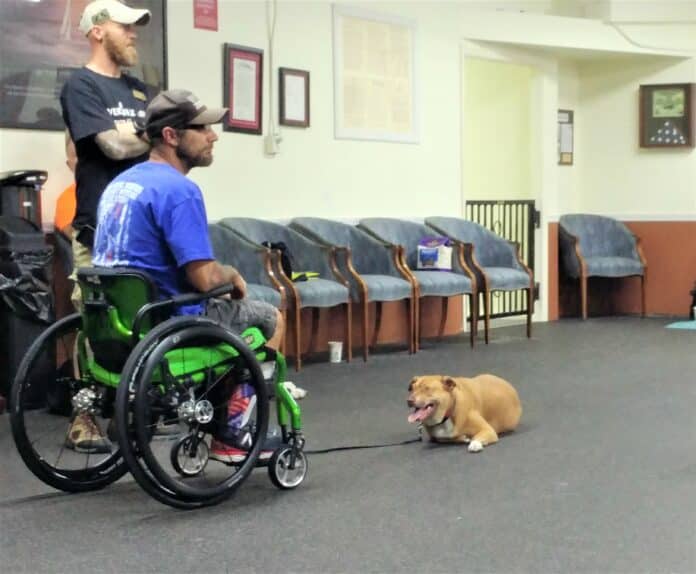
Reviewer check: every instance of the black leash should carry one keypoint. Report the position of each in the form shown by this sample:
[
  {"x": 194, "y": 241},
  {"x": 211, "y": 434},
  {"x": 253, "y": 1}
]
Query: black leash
[{"x": 359, "y": 447}]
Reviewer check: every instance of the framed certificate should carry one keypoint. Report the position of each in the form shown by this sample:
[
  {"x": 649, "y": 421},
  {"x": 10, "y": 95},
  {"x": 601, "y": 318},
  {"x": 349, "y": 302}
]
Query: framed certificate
[
  {"x": 294, "y": 97},
  {"x": 243, "y": 89},
  {"x": 666, "y": 115}
]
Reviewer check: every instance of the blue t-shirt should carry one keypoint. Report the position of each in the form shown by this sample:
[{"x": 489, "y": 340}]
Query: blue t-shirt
[{"x": 151, "y": 217}]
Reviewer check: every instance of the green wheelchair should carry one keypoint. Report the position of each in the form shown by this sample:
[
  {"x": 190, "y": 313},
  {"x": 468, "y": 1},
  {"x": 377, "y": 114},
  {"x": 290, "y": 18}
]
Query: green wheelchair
[{"x": 161, "y": 385}]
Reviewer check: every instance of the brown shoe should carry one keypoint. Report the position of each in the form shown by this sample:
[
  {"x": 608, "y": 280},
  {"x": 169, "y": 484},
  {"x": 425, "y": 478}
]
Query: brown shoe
[{"x": 85, "y": 436}]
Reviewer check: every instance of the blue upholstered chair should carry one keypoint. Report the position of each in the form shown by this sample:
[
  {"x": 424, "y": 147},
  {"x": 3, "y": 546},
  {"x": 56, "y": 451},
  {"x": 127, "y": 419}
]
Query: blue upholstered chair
[
  {"x": 372, "y": 270},
  {"x": 459, "y": 281},
  {"x": 253, "y": 261},
  {"x": 597, "y": 246},
  {"x": 328, "y": 289},
  {"x": 495, "y": 262}
]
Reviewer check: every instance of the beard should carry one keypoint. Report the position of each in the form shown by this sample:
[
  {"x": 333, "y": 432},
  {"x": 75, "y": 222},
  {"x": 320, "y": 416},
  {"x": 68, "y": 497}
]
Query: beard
[
  {"x": 190, "y": 160},
  {"x": 125, "y": 56}
]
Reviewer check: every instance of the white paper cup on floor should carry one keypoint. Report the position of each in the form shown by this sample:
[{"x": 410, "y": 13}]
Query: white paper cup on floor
[{"x": 335, "y": 351}]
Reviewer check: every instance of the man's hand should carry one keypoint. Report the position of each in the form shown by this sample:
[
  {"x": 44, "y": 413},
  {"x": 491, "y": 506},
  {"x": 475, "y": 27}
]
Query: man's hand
[
  {"x": 206, "y": 275},
  {"x": 240, "y": 286}
]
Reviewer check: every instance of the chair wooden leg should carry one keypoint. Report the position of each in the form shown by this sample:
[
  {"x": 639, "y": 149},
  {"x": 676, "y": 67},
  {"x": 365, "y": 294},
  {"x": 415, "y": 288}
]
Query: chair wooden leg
[
  {"x": 411, "y": 323},
  {"x": 378, "y": 323},
  {"x": 365, "y": 320},
  {"x": 487, "y": 314},
  {"x": 643, "y": 280},
  {"x": 298, "y": 344},
  {"x": 283, "y": 343},
  {"x": 314, "y": 330},
  {"x": 443, "y": 317},
  {"x": 530, "y": 307},
  {"x": 472, "y": 318},
  {"x": 416, "y": 328},
  {"x": 583, "y": 296},
  {"x": 349, "y": 331}
]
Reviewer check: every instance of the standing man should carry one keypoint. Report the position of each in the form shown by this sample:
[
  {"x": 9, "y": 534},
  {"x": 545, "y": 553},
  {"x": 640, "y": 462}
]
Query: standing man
[
  {"x": 152, "y": 217},
  {"x": 101, "y": 106}
]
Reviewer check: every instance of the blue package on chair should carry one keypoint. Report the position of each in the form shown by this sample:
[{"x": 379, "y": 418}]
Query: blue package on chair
[{"x": 434, "y": 254}]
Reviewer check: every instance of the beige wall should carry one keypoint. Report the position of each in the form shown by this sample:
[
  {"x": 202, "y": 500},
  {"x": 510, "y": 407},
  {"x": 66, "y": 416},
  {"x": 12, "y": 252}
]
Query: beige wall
[
  {"x": 497, "y": 130},
  {"x": 585, "y": 65},
  {"x": 569, "y": 176},
  {"x": 618, "y": 177},
  {"x": 314, "y": 174}
]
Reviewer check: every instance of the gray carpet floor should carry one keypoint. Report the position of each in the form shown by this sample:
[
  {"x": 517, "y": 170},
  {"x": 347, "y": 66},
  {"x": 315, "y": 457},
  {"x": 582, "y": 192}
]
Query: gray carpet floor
[{"x": 600, "y": 476}]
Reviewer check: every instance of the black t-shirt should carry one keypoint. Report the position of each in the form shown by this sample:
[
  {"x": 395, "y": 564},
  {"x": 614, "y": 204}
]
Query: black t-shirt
[{"x": 93, "y": 103}]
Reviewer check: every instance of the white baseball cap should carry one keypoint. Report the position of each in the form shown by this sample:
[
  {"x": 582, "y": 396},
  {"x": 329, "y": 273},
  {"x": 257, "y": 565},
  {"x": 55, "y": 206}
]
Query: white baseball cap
[{"x": 101, "y": 11}]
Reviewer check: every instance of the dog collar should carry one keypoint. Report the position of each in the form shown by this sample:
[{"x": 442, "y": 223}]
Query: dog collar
[{"x": 445, "y": 419}]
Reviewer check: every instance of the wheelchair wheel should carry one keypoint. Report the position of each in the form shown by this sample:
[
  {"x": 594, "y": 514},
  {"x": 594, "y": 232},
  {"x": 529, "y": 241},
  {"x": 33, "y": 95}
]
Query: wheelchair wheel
[
  {"x": 185, "y": 371},
  {"x": 45, "y": 385},
  {"x": 189, "y": 455},
  {"x": 285, "y": 471}
]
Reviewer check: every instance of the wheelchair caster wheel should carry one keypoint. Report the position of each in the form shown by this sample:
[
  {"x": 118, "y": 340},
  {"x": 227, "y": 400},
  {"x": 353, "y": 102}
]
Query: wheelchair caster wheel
[
  {"x": 280, "y": 471},
  {"x": 189, "y": 456}
]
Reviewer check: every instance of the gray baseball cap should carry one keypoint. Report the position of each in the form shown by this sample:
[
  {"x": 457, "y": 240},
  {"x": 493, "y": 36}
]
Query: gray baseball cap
[{"x": 178, "y": 109}]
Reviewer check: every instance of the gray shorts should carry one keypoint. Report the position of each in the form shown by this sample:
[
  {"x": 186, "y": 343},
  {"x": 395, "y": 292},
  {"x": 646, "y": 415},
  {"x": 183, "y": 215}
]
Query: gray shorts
[{"x": 239, "y": 314}]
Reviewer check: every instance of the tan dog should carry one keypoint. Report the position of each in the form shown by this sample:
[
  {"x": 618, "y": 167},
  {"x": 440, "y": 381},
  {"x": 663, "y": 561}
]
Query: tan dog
[{"x": 457, "y": 409}]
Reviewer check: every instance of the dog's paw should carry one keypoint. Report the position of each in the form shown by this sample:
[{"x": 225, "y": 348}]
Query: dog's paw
[{"x": 475, "y": 446}]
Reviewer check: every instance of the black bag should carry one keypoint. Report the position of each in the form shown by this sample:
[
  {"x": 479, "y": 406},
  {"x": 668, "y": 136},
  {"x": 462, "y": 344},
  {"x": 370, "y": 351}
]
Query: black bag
[{"x": 286, "y": 259}]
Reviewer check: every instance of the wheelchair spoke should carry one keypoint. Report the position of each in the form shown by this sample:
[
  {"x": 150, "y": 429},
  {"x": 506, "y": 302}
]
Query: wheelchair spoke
[
  {"x": 54, "y": 447},
  {"x": 201, "y": 399}
]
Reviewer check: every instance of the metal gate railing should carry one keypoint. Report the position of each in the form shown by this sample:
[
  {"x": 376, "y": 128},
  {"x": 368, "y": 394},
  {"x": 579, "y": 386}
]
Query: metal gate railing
[{"x": 514, "y": 220}]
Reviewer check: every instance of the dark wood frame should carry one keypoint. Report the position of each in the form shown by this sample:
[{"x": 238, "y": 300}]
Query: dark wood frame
[
  {"x": 231, "y": 53},
  {"x": 57, "y": 124},
  {"x": 649, "y": 123},
  {"x": 283, "y": 73}
]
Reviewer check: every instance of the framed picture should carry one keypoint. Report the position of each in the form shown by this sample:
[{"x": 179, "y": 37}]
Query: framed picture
[
  {"x": 243, "y": 90},
  {"x": 666, "y": 115},
  {"x": 41, "y": 45},
  {"x": 375, "y": 76},
  {"x": 294, "y": 97},
  {"x": 565, "y": 137}
]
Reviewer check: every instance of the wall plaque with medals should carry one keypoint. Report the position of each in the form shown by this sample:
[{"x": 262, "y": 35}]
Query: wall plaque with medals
[{"x": 666, "y": 115}]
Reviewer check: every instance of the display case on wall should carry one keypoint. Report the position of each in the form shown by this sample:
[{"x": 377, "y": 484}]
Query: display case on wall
[{"x": 667, "y": 115}]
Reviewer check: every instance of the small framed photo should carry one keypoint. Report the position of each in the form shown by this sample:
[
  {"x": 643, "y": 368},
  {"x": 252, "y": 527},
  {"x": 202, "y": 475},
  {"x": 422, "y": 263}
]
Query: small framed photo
[
  {"x": 565, "y": 137},
  {"x": 294, "y": 97},
  {"x": 243, "y": 89},
  {"x": 666, "y": 115}
]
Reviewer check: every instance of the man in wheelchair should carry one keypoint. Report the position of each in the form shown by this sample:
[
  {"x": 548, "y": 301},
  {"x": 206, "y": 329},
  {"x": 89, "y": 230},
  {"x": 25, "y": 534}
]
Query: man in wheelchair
[{"x": 152, "y": 218}]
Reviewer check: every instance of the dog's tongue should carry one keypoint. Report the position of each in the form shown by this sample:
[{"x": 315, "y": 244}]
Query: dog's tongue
[{"x": 419, "y": 414}]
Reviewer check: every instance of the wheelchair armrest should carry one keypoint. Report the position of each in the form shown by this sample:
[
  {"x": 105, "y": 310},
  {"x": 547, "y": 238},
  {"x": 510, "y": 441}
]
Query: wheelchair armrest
[{"x": 183, "y": 299}]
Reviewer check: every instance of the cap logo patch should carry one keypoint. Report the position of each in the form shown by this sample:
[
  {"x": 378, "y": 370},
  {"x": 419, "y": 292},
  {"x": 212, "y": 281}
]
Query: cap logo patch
[{"x": 101, "y": 17}]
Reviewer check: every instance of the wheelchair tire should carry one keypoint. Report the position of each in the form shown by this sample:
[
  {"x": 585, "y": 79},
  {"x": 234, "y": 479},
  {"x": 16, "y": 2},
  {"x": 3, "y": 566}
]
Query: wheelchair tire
[
  {"x": 143, "y": 389},
  {"x": 39, "y": 402}
]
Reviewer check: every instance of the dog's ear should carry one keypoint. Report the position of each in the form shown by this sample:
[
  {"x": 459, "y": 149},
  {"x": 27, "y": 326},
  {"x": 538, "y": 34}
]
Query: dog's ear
[
  {"x": 413, "y": 382},
  {"x": 449, "y": 383}
]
